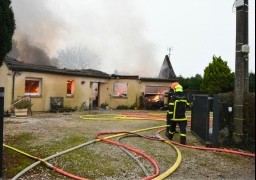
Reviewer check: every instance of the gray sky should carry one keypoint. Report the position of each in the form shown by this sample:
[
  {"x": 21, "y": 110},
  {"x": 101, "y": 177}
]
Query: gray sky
[{"x": 133, "y": 36}]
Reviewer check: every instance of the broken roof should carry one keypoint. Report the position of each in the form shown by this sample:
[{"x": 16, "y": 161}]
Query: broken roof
[{"x": 16, "y": 65}]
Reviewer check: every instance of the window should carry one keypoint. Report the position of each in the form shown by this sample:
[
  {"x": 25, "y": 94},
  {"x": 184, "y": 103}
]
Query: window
[
  {"x": 33, "y": 87},
  {"x": 120, "y": 89},
  {"x": 70, "y": 88}
]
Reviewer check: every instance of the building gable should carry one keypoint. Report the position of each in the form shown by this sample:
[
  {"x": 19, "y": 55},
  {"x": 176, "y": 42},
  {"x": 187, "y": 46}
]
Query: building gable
[{"x": 167, "y": 71}]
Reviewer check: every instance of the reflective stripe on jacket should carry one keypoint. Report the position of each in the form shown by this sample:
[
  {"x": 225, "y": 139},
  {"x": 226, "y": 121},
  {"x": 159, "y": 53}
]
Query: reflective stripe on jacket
[{"x": 177, "y": 107}]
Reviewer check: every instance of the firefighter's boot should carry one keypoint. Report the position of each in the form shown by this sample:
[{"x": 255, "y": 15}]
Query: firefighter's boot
[
  {"x": 169, "y": 135},
  {"x": 182, "y": 139}
]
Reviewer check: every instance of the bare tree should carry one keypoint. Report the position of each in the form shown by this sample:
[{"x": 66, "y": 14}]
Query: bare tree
[{"x": 78, "y": 57}]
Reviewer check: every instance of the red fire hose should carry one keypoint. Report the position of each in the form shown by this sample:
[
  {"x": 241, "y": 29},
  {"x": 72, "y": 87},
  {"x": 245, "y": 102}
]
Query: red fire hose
[
  {"x": 133, "y": 150},
  {"x": 211, "y": 149},
  {"x": 61, "y": 171}
]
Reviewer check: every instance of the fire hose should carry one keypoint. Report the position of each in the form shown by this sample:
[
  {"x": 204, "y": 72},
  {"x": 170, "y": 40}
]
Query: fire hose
[
  {"x": 51, "y": 166},
  {"x": 165, "y": 174},
  {"x": 154, "y": 163},
  {"x": 143, "y": 168},
  {"x": 176, "y": 164},
  {"x": 172, "y": 143},
  {"x": 209, "y": 148}
]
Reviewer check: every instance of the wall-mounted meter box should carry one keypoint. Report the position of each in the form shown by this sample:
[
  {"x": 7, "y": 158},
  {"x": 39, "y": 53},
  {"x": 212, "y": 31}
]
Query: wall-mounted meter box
[
  {"x": 245, "y": 48},
  {"x": 239, "y": 3}
]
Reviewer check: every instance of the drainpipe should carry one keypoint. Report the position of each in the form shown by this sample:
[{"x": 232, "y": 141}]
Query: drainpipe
[
  {"x": 13, "y": 84},
  {"x": 1, "y": 130}
]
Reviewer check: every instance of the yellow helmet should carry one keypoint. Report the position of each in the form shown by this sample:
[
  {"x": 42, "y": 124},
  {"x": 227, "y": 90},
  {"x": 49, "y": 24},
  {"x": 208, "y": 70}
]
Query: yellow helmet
[{"x": 178, "y": 88}]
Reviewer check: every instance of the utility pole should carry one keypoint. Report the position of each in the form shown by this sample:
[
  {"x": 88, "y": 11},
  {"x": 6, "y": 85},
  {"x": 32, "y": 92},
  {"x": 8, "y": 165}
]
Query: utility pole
[{"x": 241, "y": 67}]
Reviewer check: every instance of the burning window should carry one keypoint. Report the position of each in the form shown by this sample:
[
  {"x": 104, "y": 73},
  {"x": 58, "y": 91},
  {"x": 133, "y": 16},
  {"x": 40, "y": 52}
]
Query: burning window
[
  {"x": 70, "y": 88},
  {"x": 154, "y": 96},
  {"x": 33, "y": 87},
  {"x": 120, "y": 89}
]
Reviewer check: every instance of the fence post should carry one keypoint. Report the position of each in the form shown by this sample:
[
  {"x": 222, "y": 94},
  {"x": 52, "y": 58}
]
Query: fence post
[
  {"x": 216, "y": 120},
  {"x": 1, "y": 130}
]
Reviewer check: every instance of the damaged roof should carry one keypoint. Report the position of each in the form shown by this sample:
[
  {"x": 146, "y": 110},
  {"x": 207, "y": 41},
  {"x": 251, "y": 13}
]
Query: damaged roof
[
  {"x": 16, "y": 65},
  {"x": 158, "y": 79}
]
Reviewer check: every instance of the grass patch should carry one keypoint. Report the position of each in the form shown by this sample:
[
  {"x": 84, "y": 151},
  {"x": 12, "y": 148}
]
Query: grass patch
[
  {"x": 19, "y": 140},
  {"x": 14, "y": 162},
  {"x": 84, "y": 162}
]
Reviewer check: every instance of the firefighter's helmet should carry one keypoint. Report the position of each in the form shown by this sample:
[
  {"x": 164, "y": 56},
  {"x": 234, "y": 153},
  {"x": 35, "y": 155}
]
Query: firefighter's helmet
[
  {"x": 178, "y": 88},
  {"x": 173, "y": 85}
]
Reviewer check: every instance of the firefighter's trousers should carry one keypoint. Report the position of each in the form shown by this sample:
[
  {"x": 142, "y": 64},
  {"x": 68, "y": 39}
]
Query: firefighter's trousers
[{"x": 171, "y": 129}]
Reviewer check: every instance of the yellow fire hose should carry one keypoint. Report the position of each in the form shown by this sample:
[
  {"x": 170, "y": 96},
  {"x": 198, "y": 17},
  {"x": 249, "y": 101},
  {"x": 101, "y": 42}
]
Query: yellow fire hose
[
  {"x": 124, "y": 116},
  {"x": 160, "y": 177}
]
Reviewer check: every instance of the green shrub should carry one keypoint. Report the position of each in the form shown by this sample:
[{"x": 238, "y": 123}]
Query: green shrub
[
  {"x": 104, "y": 105},
  {"x": 122, "y": 107},
  {"x": 22, "y": 103}
]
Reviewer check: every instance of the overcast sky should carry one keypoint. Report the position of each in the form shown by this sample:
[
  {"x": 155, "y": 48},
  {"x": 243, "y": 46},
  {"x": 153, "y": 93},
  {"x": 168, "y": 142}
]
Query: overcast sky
[{"x": 133, "y": 36}]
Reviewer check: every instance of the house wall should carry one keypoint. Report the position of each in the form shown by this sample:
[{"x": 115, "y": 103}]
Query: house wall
[
  {"x": 135, "y": 89},
  {"x": 107, "y": 91},
  {"x": 6, "y": 82},
  {"x": 54, "y": 85}
]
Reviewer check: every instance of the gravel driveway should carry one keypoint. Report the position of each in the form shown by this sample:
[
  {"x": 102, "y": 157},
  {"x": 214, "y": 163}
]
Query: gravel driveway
[{"x": 49, "y": 129}]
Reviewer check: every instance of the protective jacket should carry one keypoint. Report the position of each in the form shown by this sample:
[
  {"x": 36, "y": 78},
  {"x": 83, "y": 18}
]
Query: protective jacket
[{"x": 177, "y": 107}]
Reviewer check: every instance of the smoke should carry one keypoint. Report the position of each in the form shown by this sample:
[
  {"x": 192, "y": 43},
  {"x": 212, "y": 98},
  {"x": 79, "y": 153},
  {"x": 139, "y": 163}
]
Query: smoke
[
  {"x": 24, "y": 51},
  {"x": 37, "y": 33},
  {"x": 113, "y": 30},
  {"x": 116, "y": 32}
]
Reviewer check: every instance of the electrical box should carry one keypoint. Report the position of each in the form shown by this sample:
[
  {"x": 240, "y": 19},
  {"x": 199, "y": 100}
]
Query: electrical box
[
  {"x": 245, "y": 48},
  {"x": 239, "y": 3},
  {"x": 56, "y": 104}
]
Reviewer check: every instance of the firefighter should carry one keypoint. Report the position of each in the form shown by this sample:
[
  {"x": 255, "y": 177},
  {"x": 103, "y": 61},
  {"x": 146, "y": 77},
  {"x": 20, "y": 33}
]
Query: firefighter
[{"x": 176, "y": 113}]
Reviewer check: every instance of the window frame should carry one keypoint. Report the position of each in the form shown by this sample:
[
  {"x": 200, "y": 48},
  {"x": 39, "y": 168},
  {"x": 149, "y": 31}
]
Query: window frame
[
  {"x": 72, "y": 88},
  {"x": 121, "y": 94},
  {"x": 39, "y": 80}
]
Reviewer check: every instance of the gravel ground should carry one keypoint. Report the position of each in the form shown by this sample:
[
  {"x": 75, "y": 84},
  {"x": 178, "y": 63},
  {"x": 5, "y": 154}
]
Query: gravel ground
[{"x": 196, "y": 164}]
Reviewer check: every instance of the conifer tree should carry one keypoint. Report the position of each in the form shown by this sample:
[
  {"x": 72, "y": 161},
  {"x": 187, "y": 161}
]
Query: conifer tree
[
  {"x": 217, "y": 77},
  {"x": 7, "y": 27}
]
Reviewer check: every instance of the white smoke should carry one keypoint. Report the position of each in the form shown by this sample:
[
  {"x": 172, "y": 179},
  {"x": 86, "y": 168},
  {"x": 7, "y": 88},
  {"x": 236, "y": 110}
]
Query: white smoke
[{"x": 112, "y": 29}]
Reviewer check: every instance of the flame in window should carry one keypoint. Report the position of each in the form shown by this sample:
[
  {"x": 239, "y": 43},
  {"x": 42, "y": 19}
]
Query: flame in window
[
  {"x": 70, "y": 87},
  {"x": 31, "y": 86}
]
